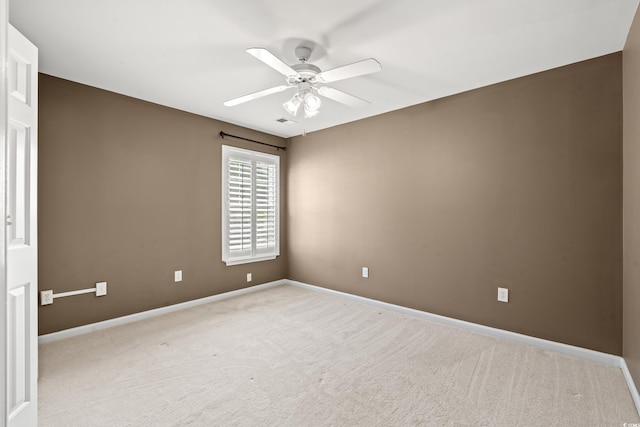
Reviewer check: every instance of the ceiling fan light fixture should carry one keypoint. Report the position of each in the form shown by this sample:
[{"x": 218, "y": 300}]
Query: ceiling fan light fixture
[
  {"x": 292, "y": 105},
  {"x": 310, "y": 113},
  {"x": 311, "y": 102},
  {"x": 311, "y": 105}
]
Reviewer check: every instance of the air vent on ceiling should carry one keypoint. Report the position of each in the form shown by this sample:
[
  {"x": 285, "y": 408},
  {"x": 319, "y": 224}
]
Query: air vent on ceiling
[{"x": 286, "y": 121}]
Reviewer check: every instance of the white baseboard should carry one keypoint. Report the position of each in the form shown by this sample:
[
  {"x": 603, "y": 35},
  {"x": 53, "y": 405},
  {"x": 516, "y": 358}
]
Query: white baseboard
[
  {"x": 80, "y": 330},
  {"x": 583, "y": 353},
  {"x": 630, "y": 383}
]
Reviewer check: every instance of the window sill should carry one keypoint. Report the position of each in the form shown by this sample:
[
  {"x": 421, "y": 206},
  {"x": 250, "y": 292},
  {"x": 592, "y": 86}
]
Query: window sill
[{"x": 239, "y": 261}]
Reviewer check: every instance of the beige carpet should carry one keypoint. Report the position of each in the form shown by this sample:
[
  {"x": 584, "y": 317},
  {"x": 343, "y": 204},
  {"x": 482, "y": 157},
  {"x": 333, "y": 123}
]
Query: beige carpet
[{"x": 293, "y": 357}]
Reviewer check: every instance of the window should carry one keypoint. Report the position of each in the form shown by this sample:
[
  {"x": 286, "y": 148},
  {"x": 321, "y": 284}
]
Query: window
[{"x": 250, "y": 206}]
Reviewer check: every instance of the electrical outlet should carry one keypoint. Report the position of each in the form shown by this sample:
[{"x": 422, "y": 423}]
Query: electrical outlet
[
  {"x": 101, "y": 289},
  {"x": 249, "y": 277},
  {"x": 365, "y": 272},
  {"x": 177, "y": 276},
  {"x": 503, "y": 294},
  {"x": 46, "y": 297}
]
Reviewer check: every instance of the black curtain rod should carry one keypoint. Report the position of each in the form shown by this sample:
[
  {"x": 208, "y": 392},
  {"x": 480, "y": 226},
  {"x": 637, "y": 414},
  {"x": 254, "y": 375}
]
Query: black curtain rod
[{"x": 222, "y": 135}]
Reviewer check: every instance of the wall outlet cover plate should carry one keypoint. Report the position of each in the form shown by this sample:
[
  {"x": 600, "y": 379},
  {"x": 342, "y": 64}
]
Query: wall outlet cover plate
[
  {"x": 101, "y": 289},
  {"x": 503, "y": 294},
  {"x": 46, "y": 297}
]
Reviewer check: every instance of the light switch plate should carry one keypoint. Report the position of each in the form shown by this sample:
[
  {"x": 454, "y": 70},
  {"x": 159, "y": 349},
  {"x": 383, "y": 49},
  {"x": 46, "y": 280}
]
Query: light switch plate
[
  {"x": 177, "y": 276},
  {"x": 365, "y": 272}
]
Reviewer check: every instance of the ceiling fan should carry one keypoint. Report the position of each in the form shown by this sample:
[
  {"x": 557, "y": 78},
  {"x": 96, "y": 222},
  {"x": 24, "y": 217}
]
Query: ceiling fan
[{"x": 308, "y": 79}]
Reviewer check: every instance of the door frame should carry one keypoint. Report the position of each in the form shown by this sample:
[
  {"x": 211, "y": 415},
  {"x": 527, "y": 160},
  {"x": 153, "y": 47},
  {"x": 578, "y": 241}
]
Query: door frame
[{"x": 4, "y": 21}]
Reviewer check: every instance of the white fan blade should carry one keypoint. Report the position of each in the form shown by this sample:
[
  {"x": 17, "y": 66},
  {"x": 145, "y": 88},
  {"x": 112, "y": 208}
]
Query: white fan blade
[
  {"x": 356, "y": 69},
  {"x": 272, "y": 61},
  {"x": 256, "y": 95},
  {"x": 344, "y": 98}
]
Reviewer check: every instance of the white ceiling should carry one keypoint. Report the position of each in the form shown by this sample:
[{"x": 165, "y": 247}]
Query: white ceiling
[{"x": 190, "y": 54}]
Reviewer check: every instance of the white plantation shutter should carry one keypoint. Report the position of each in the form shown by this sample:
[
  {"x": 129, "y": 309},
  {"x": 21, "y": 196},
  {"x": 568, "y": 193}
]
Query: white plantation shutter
[
  {"x": 239, "y": 212},
  {"x": 266, "y": 206},
  {"x": 250, "y": 206}
]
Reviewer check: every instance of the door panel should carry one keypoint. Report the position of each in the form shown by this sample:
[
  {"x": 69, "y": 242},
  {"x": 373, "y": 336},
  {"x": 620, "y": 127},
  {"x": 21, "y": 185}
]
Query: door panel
[
  {"x": 18, "y": 379},
  {"x": 21, "y": 231},
  {"x": 18, "y": 166}
]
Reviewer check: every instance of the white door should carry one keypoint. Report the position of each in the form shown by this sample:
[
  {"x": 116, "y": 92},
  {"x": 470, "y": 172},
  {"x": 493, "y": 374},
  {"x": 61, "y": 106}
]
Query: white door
[{"x": 21, "y": 231}]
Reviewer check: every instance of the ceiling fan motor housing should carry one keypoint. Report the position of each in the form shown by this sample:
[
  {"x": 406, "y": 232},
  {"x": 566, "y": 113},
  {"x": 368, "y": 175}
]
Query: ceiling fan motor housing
[{"x": 306, "y": 71}]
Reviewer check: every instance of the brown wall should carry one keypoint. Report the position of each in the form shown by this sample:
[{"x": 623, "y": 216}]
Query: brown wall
[
  {"x": 129, "y": 192},
  {"x": 516, "y": 184},
  {"x": 631, "y": 211}
]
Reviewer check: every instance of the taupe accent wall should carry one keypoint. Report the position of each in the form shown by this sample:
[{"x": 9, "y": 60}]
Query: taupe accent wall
[
  {"x": 129, "y": 192},
  {"x": 631, "y": 185},
  {"x": 518, "y": 184}
]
